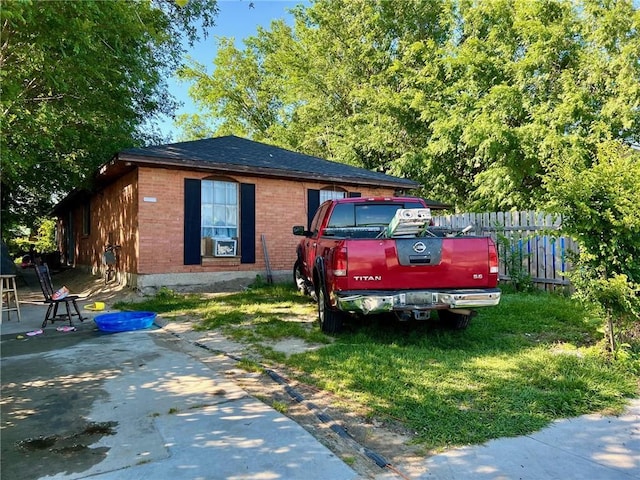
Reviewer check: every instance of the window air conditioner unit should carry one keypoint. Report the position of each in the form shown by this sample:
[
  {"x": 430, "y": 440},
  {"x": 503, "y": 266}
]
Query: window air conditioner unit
[{"x": 224, "y": 248}]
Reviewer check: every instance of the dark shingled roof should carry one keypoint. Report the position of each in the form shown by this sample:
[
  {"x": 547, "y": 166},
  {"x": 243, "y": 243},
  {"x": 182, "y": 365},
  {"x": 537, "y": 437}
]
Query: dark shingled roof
[{"x": 235, "y": 154}]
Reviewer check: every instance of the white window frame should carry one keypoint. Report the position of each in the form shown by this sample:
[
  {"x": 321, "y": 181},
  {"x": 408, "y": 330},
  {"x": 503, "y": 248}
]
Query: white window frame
[
  {"x": 220, "y": 209},
  {"x": 331, "y": 194}
]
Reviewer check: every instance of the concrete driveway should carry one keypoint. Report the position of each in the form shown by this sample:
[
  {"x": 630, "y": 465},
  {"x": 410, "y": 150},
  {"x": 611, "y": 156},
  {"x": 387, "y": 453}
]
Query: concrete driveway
[{"x": 136, "y": 405}]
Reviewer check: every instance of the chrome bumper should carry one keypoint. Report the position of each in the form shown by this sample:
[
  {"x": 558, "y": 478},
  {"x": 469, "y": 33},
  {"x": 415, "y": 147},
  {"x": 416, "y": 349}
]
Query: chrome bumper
[{"x": 381, "y": 302}]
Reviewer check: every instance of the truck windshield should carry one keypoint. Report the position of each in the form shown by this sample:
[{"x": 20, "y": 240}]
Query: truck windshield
[{"x": 352, "y": 215}]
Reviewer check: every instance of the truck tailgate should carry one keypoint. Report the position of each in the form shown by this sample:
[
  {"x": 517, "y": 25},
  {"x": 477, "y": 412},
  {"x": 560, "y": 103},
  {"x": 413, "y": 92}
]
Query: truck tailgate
[{"x": 408, "y": 263}]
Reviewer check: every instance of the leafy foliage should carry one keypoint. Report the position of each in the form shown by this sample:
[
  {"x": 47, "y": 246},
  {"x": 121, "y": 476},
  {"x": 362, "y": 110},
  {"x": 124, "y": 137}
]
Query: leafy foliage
[
  {"x": 79, "y": 81},
  {"x": 619, "y": 303},
  {"x": 477, "y": 100},
  {"x": 514, "y": 256},
  {"x": 600, "y": 203},
  {"x": 42, "y": 242}
]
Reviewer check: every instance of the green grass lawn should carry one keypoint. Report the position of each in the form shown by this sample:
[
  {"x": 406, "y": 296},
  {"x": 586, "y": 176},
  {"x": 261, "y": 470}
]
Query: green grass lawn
[{"x": 532, "y": 359}]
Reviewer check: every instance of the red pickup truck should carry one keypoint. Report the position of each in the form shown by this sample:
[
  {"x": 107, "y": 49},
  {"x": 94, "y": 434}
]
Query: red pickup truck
[{"x": 374, "y": 255}]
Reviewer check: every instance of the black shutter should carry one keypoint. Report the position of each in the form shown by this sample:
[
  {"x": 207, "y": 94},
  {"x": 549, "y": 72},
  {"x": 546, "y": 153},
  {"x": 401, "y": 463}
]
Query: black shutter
[
  {"x": 248, "y": 223},
  {"x": 313, "y": 202},
  {"x": 354, "y": 194},
  {"x": 192, "y": 206}
]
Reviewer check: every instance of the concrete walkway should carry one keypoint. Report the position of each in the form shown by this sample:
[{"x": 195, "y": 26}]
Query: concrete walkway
[
  {"x": 136, "y": 405},
  {"x": 591, "y": 447}
]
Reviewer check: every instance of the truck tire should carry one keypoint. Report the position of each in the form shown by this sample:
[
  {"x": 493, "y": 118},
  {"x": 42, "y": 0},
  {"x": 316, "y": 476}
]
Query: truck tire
[
  {"x": 330, "y": 319},
  {"x": 456, "y": 321},
  {"x": 298, "y": 279}
]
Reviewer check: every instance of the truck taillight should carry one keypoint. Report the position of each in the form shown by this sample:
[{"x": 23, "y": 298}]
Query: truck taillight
[
  {"x": 494, "y": 267},
  {"x": 340, "y": 262}
]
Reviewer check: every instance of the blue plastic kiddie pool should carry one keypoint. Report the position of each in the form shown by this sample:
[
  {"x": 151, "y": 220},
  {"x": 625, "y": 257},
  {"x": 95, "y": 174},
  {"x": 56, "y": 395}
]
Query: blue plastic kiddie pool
[{"x": 124, "y": 321}]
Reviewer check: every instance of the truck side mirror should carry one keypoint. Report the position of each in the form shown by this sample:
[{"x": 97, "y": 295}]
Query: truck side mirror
[{"x": 300, "y": 230}]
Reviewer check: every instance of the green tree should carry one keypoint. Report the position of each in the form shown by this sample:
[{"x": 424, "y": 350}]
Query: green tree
[
  {"x": 325, "y": 86},
  {"x": 477, "y": 100},
  {"x": 523, "y": 84},
  {"x": 78, "y": 82},
  {"x": 42, "y": 238}
]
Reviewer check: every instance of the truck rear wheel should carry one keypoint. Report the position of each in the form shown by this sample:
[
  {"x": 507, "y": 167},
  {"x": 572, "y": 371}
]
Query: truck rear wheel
[
  {"x": 330, "y": 319},
  {"x": 454, "y": 320}
]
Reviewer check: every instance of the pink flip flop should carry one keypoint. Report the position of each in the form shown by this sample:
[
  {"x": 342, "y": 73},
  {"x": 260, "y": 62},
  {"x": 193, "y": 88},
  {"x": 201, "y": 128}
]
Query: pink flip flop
[
  {"x": 35, "y": 332},
  {"x": 66, "y": 328}
]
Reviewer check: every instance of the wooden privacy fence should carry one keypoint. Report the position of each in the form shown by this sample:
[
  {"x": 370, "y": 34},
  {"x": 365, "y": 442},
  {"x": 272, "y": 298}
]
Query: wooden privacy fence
[{"x": 528, "y": 242}]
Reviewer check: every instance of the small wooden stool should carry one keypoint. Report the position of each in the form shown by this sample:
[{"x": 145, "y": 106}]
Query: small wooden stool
[{"x": 8, "y": 288}]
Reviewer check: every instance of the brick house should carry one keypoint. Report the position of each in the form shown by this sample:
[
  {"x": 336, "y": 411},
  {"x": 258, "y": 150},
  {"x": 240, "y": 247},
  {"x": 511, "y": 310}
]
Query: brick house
[{"x": 202, "y": 212}]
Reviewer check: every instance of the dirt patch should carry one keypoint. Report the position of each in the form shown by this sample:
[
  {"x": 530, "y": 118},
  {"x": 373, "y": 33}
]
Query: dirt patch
[
  {"x": 89, "y": 288},
  {"x": 293, "y": 345},
  {"x": 362, "y": 441}
]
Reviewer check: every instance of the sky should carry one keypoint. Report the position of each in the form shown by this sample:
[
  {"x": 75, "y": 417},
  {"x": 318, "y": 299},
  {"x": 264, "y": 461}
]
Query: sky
[{"x": 238, "y": 19}]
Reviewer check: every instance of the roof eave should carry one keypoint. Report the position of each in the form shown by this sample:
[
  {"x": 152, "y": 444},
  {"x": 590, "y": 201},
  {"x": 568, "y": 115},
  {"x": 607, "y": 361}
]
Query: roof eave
[{"x": 265, "y": 172}]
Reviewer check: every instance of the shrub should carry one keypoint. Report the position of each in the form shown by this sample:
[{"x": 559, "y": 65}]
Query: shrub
[
  {"x": 600, "y": 204},
  {"x": 514, "y": 257}
]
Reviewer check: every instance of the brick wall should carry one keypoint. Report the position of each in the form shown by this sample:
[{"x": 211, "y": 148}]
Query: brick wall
[
  {"x": 143, "y": 212},
  {"x": 160, "y": 220},
  {"x": 113, "y": 220},
  {"x": 280, "y": 204}
]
